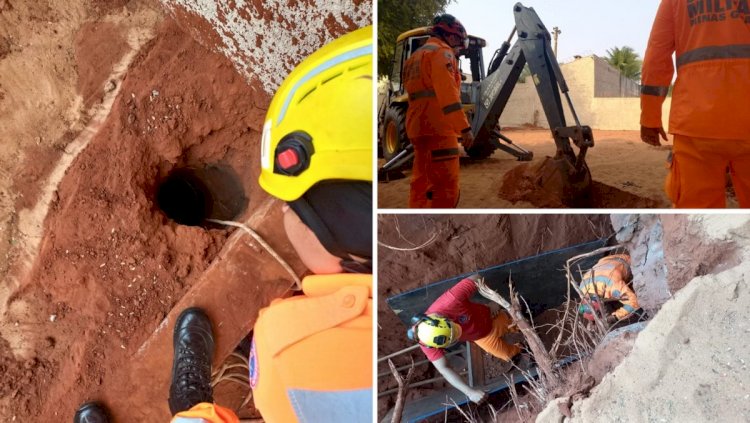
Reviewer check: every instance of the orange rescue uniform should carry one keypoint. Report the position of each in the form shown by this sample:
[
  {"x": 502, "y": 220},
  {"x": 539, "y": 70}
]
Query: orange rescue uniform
[
  {"x": 434, "y": 120},
  {"x": 206, "y": 413},
  {"x": 607, "y": 281},
  {"x": 311, "y": 358},
  {"x": 711, "y": 40}
]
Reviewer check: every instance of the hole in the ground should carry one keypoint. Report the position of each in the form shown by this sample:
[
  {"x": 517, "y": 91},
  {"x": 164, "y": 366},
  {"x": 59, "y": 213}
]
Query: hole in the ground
[{"x": 190, "y": 195}]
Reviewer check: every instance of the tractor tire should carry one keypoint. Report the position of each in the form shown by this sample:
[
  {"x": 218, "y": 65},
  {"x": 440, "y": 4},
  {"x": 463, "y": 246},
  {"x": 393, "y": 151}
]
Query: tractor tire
[
  {"x": 394, "y": 135},
  {"x": 481, "y": 151}
]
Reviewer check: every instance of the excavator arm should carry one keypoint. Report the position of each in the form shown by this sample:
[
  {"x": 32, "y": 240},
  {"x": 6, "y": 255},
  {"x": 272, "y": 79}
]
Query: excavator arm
[{"x": 532, "y": 47}]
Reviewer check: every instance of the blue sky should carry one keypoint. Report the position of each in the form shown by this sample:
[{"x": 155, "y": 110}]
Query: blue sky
[{"x": 588, "y": 26}]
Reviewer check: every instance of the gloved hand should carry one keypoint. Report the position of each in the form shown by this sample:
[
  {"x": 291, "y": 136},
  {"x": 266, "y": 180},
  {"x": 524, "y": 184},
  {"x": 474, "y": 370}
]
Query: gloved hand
[
  {"x": 651, "y": 135},
  {"x": 477, "y": 396},
  {"x": 467, "y": 139},
  {"x": 611, "y": 319}
]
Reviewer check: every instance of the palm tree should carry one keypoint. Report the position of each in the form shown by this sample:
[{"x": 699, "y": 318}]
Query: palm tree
[{"x": 626, "y": 60}]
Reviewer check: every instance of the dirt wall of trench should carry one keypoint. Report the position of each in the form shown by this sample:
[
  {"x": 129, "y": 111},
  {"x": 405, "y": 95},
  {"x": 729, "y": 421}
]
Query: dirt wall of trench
[{"x": 460, "y": 244}]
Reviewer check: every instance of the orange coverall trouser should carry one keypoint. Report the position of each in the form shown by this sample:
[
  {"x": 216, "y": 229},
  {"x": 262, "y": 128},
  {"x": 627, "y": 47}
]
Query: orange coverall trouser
[
  {"x": 434, "y": 180},
  {"x": 697, "y": 176},
  {"x": 494, "y": 344},
  {"x": 206, "y": 413}
]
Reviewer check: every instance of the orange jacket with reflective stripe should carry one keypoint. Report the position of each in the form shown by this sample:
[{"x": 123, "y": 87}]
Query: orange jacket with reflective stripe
[
  {"x": 312, "y": 353},
  {"x": 606, "y": 280},
  {"x": 433, "y": 81},
  {"x": 711, "y": 39}
]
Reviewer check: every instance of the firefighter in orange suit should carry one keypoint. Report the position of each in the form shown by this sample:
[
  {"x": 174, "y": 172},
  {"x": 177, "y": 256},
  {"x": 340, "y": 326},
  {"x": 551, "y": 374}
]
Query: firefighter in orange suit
[
  {"x": 710, "y": 117},
  {"x": 435, "y": 118},
  {"x": 607, "y": 282}
]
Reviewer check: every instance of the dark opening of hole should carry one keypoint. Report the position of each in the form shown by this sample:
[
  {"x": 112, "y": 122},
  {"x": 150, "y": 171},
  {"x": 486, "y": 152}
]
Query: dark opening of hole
[{"x": 190, "y": 195}]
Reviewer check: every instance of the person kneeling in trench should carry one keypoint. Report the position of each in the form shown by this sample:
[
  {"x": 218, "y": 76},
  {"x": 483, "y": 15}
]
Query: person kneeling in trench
[
  {"x": 606, "y": 291},
  {"x": 311, "y": 354},
  {"x": 453, "y": 318}
]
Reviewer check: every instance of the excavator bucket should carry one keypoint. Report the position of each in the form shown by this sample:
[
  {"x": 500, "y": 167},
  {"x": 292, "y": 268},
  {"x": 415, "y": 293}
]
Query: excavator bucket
[{"x": 558, "y": 178}]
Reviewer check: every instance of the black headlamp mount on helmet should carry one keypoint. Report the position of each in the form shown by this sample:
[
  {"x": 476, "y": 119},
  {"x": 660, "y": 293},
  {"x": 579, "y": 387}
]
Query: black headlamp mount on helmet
[{"x": 293, "y": 154}]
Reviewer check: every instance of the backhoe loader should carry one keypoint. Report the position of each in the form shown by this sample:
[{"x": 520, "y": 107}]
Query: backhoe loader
[{"x": 484, "y": 97}]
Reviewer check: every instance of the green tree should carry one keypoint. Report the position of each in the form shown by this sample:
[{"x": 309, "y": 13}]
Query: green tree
[
  {"x": 397, "y": 16},
  {"x": 626, "y": 60}
]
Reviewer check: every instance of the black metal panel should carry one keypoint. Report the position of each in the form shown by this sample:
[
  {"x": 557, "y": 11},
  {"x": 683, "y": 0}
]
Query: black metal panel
[{"x": 540, "y": 280}]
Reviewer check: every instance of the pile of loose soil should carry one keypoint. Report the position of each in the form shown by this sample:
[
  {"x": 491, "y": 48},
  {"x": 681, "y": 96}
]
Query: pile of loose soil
[
  {"x": 520, "y": 184},
  {"x": 454, "y": 245},
  {"x": 110, "y": 264}
]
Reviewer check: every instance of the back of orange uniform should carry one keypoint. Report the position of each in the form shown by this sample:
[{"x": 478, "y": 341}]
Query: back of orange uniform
[
  {"x": 607, "y": 281},
  {"x": 311, "y": 357},
  {"x": 433, "y": 81},
  {"x": 711, "y": 40}
]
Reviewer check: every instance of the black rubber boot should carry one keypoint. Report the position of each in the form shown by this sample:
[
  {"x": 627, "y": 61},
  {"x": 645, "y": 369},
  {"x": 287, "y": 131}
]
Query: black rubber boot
[
  {"x": 193, "y": 354},
  {"x": 91, "y": 412}
]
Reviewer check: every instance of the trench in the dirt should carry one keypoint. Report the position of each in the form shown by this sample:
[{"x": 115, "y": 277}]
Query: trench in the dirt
[{"x": 462, "y": 244}]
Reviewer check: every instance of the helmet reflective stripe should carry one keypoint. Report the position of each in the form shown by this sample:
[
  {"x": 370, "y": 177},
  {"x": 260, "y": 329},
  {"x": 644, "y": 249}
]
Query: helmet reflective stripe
[
  {"x": 265, "y": 146},
  {"x": 349, "y": 55}
]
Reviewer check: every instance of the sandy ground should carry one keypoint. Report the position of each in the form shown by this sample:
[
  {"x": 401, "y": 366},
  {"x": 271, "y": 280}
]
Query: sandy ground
[
  {"x": 631, "y": 173},
  {"x": 461, "y": 243}
]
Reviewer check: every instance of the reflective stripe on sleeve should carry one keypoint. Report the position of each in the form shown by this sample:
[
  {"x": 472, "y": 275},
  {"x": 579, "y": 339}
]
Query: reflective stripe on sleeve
[
  {"x": 444, "y": 152},
  {"x": 422, "y": 94},
  {"x": 736, "y": 51},
  {"x": 654, "y": 90},
  {"x": 451, "y": 108}
]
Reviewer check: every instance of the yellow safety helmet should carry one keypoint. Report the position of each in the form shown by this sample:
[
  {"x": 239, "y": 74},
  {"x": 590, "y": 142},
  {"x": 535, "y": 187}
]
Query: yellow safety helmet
[
  {"x": 319, "y": 124},
  {"x": 434, "y": 331}
]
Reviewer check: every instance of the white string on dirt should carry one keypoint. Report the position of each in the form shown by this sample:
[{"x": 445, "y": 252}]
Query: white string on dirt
[
  {"x": 264, "y": 244},
  {"x": 426, "y": 243},
  {"x": 243, "y": 378}
]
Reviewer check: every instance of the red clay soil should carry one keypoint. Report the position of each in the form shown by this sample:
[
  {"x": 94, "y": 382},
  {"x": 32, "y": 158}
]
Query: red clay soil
[
  {"x": 99, "y": 45},
  {"x": 462, "y": 243},
  {"x": 519, "y": 184},
  {"x": 111, "y": 265}
]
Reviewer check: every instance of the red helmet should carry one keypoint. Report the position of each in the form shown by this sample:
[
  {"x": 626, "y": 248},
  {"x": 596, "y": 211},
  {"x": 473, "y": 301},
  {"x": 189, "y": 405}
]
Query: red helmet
[{"x": 448, "y": 24}]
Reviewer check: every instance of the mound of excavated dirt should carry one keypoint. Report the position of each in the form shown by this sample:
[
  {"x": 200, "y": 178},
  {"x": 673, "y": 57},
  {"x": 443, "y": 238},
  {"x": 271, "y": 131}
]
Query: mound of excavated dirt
[
  {"x": 519, "y": 184},
  {"x": 110, "y": 264},
  {"x": 459, "y": 244}
]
